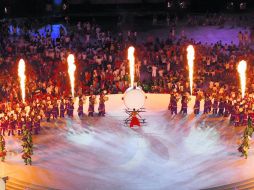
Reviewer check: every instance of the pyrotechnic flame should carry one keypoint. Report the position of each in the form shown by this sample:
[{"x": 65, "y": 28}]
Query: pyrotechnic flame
[
  {"x": 131, "y": 59},
  {"x": 22, "y": 77},
  {"x": 242, "y": 66},
  {"x": 190, "y": 57},
  {"x": 71, "y": 71}
]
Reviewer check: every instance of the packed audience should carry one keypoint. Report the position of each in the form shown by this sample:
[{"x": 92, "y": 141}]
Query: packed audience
[{"x": 101, "y": 59}]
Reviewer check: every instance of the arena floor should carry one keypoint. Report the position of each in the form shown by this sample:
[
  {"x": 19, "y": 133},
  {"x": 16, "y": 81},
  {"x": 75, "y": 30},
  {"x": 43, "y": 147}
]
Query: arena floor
[{"x": 169, "y": 152}]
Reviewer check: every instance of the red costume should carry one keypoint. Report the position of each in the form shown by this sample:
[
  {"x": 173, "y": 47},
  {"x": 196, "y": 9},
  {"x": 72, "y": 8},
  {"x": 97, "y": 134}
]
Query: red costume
[{"x": 134, "y": 120}]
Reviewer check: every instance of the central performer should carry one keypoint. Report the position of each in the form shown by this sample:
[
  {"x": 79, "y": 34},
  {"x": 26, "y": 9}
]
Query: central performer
[{"x": 134, "y": 119}]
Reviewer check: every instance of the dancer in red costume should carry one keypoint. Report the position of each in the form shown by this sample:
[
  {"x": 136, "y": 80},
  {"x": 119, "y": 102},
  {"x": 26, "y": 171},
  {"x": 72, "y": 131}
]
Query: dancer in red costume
[{"x": 134, "y": 119}]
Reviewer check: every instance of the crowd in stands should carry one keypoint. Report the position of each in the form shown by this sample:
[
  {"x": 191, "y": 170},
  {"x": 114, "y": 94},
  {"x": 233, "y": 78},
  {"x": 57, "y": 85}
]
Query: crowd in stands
[
  {"x": 220, "y": 20},
  {"x": 101, "y": 59}
]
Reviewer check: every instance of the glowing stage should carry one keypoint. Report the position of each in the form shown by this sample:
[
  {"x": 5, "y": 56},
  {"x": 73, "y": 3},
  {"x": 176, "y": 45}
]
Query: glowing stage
[{"x": 170, "y": 152}]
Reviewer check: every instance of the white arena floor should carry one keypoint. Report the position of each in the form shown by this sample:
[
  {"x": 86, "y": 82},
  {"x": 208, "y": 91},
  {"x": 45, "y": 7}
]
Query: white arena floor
[{"x": 169, "y": 152}]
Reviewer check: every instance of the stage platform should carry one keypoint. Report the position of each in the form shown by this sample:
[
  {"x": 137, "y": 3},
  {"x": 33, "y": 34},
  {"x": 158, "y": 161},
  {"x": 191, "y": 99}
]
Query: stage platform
[{"x": 100, "y": 153}]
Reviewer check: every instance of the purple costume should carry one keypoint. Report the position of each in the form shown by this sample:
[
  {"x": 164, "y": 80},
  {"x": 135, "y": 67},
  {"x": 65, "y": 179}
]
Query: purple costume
[
  {"x": 19, "y": 127},
  {"x": 62, "y": 110},
  {"x": 184, "y": 106},
  {"x": 91, "y": 107},
  {"x": 101, "y": 108},
  {"x": 206, "y": 106},
  {"x": 71, "y": 108},
  {"x": 67, "y": 107},
  {"x": 55, "y": 111},
  {"x": 2, "y": 128},
  {"x": 197, "y": 107},
  {"x": 47, "y": 114},
  {"x": 209, "y": 105},
  {"x": 221, "y": 108},
  {"x": 37, "y": 126},
  {"x": 215, "y": 106},
  {"x": 80, "y": 110},
  {"x": 29, "y": 125},
  {"x": 11, "y": 127},
  {"x": 233, "y": 114},
  {"x": 173, "y": 106},
  {"x": 227, "y": 107}
]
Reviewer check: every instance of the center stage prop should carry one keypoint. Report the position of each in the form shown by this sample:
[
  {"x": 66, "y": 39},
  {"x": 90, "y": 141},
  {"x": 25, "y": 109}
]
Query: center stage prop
[{"x": 134, "y": 101}]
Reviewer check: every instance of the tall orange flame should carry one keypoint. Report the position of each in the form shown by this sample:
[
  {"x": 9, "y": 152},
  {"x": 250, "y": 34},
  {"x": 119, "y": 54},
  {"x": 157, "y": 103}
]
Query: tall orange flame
[
  {"x": 22, "y": 77},
  {"x": 71, "y": 71},
  {"x": 131, "y": 59},
  {"x": 242, "y": 66},
  {"x": 191, "y": 57}
]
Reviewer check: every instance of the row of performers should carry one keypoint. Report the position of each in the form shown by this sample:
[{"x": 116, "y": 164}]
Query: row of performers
[
  {"x": 16, "y": 120},
  {"x": 67, "y": 107},
  {"x": 237, "y": 110},
  {"x": 12, "y": 126}
]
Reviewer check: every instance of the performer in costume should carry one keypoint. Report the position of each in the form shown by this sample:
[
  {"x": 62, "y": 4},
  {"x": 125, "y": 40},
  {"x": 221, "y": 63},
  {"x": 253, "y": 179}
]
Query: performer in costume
[
  {"x": 5, "y": 125},
  {"x": 11, "y": 126},
  {"x": 251, "y": 115},
  {"x": 206, "y": 105},
  {"x": 215, "y": 106},
  {"x": 71, "y": 109},
  {"x": 19, "y": 126},
  {"x": 227, "y": 107},
  {"x": 55, "y": 110},
  {"x": 29, "y": 124},
  {"x": 230, "y": 106},
  {"x": 91, "y": 106},
  {"x": 173, "y": 103},
  {"x": 48, "y": 113},
  {"x": 80, "y": 108},
  {"x": 184, "y": 103},
  {"x": 237, "y": 119},
  {"x": 2, "y": 148},
  {"x": 249, "y": 129},
  {"x": 27, "y": 147},
  {"x": 241, "y": 113},
  {"x": 232, "y": 114},
  {"x": 30, "y": 142},
  {"x": 244, "y": 147},
  {"x": 37, "y": 125},
  {"x": 221, "y": 107},
  {"x": 26, "y": 156},
  {"x": 170, "y": 100},
  {"x": 245, "y": 151},
  {"x": 1, "y": 126},
  {"x": 245, "y": 118},
  {"x": 209, "y": 104},
  {"x": 67, "y": 107},
  {"x": 23, "y": 124},
  {"x": 62, "y": 109},
  {"x": 134, "y": 119},
  {"x": 197, "y": 106},
  {"x": 101, "y": 107}
]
